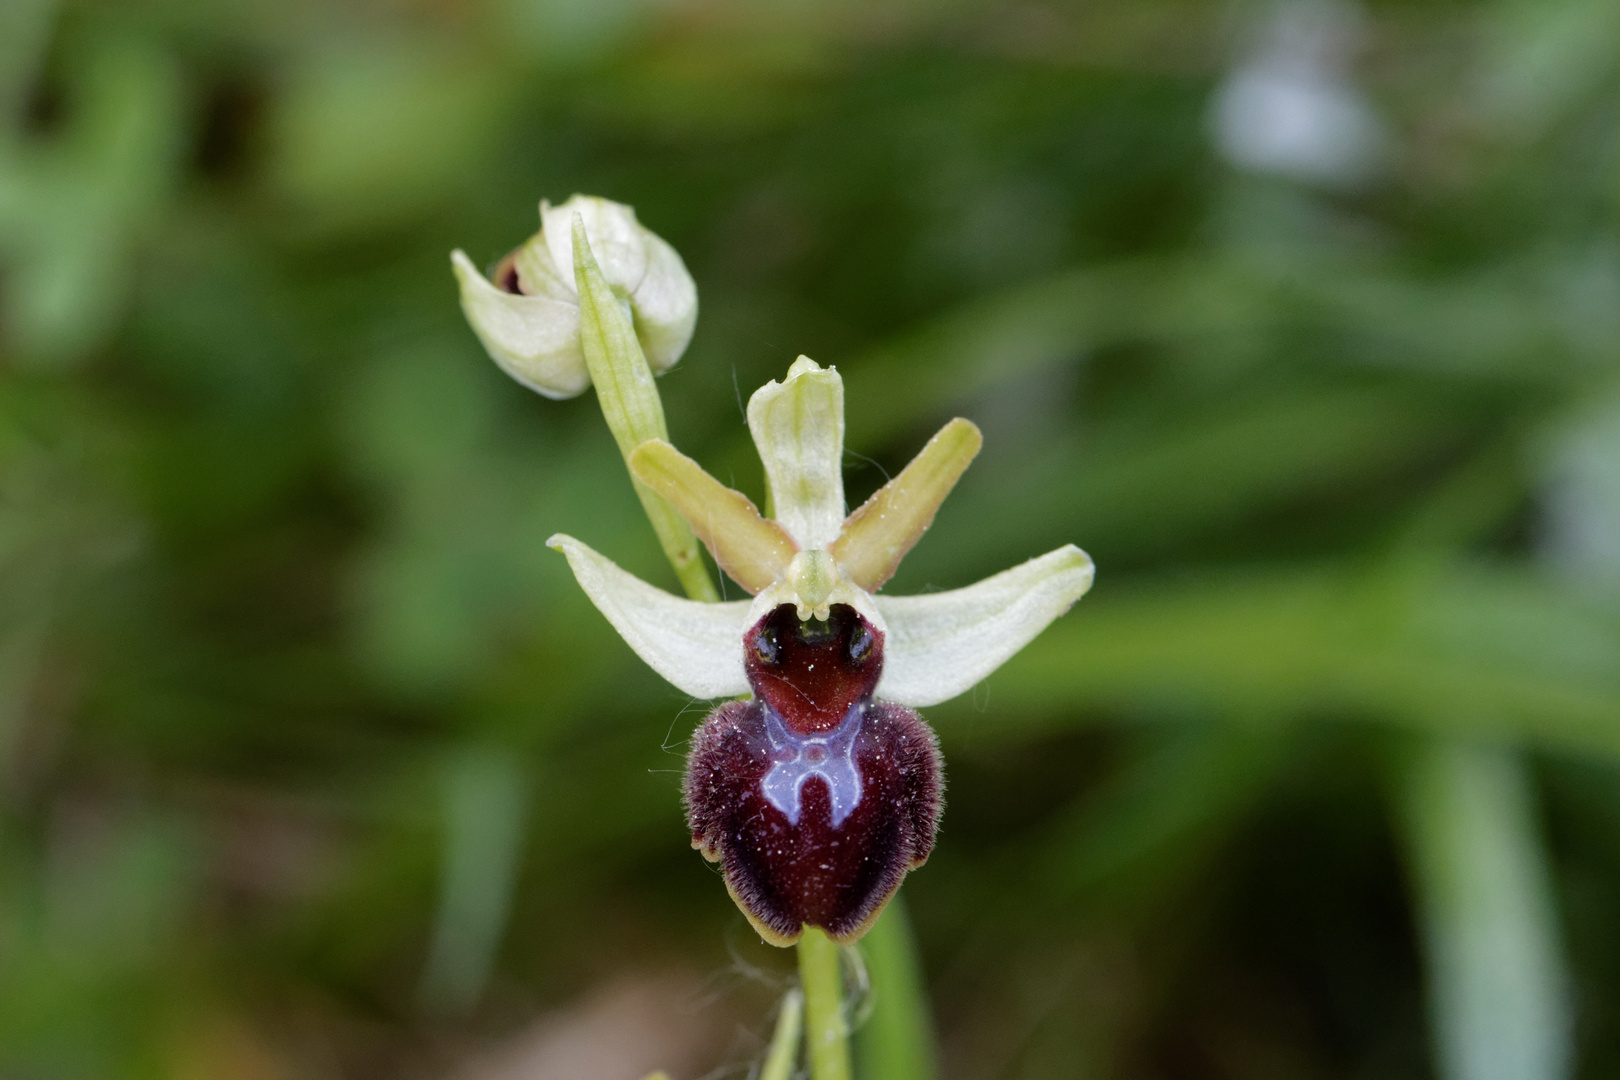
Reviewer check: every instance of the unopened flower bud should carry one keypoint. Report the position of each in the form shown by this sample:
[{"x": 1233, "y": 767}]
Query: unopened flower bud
[{"x": 528, "y": 317}]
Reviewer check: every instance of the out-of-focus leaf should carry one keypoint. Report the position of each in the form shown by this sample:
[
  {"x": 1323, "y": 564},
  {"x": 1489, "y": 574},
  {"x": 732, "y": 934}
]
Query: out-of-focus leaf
[
  {"x": 1490, "y": 325},
  {"x": 1498, "y": 988},
  {"x": 1543, "y": 58},
  {"x": 73, "y": 210},
  {"x": 484, "y": 808},
  {"x": 369, "y": 133},
  {"x": 79, "y": 938},
  {"x": 1162, "y": 815},
  {"x": 1136, "y": 488},
  {"x": 1582, "y": 531},
  {"x": 25, "y": 27},
  {"x": 1479, "y": 650},
  {"x": 897, "y": 1039}
]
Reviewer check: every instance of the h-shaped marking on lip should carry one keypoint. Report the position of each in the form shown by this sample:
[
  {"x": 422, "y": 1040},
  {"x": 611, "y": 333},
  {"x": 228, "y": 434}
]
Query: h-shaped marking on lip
[{"x": 796, "y": 758}]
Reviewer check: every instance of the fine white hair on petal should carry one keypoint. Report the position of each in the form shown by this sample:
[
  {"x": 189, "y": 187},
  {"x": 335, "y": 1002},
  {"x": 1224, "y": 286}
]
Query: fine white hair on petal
[
  {"x": 694, "y": 645},
  {"x": 940, "y": 645}
]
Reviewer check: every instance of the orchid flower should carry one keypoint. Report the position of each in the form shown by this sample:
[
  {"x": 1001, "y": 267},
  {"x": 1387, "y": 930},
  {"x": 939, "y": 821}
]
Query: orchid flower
[{"x": 821, "y": 790}]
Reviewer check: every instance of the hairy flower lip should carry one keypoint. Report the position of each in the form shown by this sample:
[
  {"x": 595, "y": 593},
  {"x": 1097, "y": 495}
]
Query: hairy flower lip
[{"x": 785, "y": 875}]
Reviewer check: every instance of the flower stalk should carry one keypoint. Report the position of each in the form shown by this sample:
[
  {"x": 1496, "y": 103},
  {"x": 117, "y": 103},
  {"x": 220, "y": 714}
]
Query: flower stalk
[
  {"x": 631, "y": 406},
  {"x": 783, "y": 1054},
  {"x": 826, "y": 1027}
]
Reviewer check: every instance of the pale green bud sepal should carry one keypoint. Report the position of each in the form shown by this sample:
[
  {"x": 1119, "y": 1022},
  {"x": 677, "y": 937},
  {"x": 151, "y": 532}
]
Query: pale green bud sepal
[
  {"x": 629, "y": 400},
  {"x": 639, "y": 266},
  {"x": 534, "y": 339},
  {"x": 533, "y": 332}
]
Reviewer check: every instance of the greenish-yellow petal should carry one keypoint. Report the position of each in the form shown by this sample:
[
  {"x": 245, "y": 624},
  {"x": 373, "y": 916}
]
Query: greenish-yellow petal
[
  {"x": 753, "y": 550},
  {"x": 878, "y": 535}
]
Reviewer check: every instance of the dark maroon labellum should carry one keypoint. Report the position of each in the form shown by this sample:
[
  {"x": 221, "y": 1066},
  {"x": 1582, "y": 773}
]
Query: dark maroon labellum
[{"x": 814, "y": 798}]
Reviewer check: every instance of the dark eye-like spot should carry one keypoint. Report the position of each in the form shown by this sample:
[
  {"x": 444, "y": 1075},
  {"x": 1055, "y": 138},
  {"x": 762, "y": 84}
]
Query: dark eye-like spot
[
  {"x": 505, "y": 276},
  {"x": 767, "y": 648},
  {"x": 860, "y": 643},
  {"x": 812, "y": 672}
]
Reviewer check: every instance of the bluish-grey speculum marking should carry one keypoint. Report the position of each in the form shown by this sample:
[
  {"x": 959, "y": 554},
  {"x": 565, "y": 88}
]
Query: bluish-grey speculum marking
[
  {"x": 796, "y": 758},
  {"x": 758, "y": 768}
]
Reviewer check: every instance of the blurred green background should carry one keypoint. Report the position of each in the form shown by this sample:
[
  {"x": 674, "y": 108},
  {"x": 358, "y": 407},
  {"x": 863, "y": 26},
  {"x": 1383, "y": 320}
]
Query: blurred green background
[{"x": 1302, "y": 318}]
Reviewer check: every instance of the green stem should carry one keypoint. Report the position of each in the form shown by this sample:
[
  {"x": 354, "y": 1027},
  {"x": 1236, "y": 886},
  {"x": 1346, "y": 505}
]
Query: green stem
[
  {"x": 631, "y": 406},
  {"x": 897, "y": 1040},
  {"x": 784, "y": 1051},
  {"x": 826, "y": 1028}
]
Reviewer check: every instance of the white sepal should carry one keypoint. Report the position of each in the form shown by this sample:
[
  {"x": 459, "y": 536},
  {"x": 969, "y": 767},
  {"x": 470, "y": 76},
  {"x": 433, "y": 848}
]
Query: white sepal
[
  {"x": 617, "y": 238},
  {"x": 798, "y": 426},
  {"x": 696, "y": 646},
  {"x": 638, "y": 263},
  {"x": 665, "y": 305},
  {"x": 538, "y": 275},
  {"x": 534, "y": 339},
  {"x": 939, "y": 645}
]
